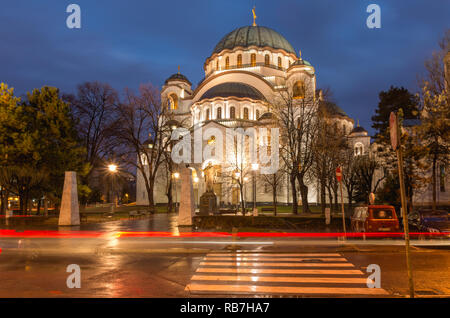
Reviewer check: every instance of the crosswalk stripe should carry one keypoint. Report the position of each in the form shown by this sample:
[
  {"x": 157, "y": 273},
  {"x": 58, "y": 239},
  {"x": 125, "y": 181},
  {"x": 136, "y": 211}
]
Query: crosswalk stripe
[
  {"x": 283, "y": 279},
  {"x": 279, "y": 259},
  {"x": 259, "y": 264},
  {"x": 277, "y": 254},
  {"x": 279, "y": 271},
  {"x": 285, "y": 289}
]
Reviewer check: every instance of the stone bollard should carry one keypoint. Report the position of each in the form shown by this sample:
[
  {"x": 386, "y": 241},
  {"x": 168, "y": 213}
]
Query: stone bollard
[
  {"x": 187, "y": 207},
  {"x": 69, "y": 214}
]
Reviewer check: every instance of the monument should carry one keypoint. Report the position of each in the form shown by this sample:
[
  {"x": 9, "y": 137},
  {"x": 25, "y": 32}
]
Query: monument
[
  {"x": 69, "y": 213},
  {"x": 208, "y": 200},
  {"x": 186, "y": 211}
]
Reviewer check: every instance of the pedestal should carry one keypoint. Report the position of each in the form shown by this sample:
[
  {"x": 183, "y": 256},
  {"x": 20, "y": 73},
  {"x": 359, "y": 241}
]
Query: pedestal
[
  {"x": 208, "y": 203},
  {"x": 187, "y": 204},
  {"x": 69, "y": 213}
]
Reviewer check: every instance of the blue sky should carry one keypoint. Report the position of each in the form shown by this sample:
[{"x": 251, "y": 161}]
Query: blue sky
[{"x": 126, "y": 43}]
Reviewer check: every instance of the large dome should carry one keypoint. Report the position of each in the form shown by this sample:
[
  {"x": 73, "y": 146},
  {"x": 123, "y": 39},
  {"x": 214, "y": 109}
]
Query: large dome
[
  {"x": 233, "y": 89},
  {"x": 254, "y": 36}
]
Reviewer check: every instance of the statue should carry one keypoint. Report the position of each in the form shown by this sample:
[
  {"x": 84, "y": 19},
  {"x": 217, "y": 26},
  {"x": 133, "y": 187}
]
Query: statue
[{"x": 208, "y": 200}]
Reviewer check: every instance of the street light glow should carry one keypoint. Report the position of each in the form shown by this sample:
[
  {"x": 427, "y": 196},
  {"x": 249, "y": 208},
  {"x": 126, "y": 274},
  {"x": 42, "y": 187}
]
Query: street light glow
[
  {"x": 112, "y": 167},
  {"x": 255, "y": 166},
  {"x": 176, "y": 175}
]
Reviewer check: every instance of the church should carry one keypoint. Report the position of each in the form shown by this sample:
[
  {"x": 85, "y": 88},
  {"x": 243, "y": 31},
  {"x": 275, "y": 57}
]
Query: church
[{"x": 244, "y": 70}]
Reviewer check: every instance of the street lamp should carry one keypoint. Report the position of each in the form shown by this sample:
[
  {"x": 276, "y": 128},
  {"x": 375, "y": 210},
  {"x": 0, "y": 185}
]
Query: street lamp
[
  {"x": 255, "y": 167},
  {"x": 112, "y": 169}
]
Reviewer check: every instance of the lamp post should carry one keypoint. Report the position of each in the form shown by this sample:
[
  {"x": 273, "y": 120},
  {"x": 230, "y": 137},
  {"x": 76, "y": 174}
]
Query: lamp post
[
  {"x": 255, "y": 167},
  {"x": 112, "y": 170},
  {"x": 176, "y": 175}
]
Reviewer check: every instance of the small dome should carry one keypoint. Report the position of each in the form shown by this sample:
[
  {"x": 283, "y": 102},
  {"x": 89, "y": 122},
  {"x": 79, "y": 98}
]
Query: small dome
[
  {"x": 333, "y": 109},
  {"x": 177, "y": 77},
  {"x": 258, "y": 36},
  {"x": 301, "y": 62},
  {"x": 233, "y": 89},
  {"x": 357, "y": 130}
]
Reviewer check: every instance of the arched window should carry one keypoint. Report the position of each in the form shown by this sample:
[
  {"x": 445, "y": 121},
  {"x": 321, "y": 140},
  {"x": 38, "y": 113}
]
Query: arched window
[
  {"x": 344, "y": 129},
  {"x": 208, "y": 115},
  {"x": 253, "y": 59},
  {"x": 219, "y": 113},
  {"x": 299, "y": 90},
  {"x": 172, "y": 102},
  {"x": 232, "y": 112},
  {"x": 359, "y": 149},
  {"x": 257, "y": 114},
  {"x": 280, "y": 65},
  {"x": 227, "y": 63},
  {"x": 217, "y": 64},
  {"x": 239, "y": 60},
  {"x": 245, "y": 113},
  {"x": 267, "y": 60}
]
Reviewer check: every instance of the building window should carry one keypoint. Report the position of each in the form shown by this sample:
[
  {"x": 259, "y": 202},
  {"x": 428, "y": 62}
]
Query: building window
[
  {"x": 232, "y": 112},
  {"x": 207, "y": 114},
  {"x": 267, "y": 60},
  {"x": 279, "y": 63},
  {"x": 344, "y": 129},
  {"x": 227, "y": 63},
  {"x": 239, "y": 60},
  {"x": 172, "y": 102},
  {"x": 219, "y": 113},
  {"x": 245, "y": 113},
  {"x": 253, "y": 59},
  {"x": 359, "y": 149},
  {"x": 257, "y": 114},
  {"x": 299, "y": 90},
  {"x": 217, "y": 65}
]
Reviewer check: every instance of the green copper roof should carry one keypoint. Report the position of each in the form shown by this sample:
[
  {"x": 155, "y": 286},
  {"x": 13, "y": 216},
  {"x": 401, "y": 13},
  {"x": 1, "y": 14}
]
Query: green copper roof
[{"x": 254, "y": 35}]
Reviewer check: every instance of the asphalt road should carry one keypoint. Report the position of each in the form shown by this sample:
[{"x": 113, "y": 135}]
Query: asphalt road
[{"x": 114, "y": 266}]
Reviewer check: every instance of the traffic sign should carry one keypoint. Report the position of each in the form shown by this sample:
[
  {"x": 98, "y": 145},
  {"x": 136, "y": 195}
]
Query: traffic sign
[{"x": 339, "y": 174}]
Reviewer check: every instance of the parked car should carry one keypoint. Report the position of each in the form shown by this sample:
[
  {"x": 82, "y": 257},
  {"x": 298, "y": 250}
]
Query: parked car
[
  {"x": 375, "y": 218},
  {"x": 436, "y": 221}
]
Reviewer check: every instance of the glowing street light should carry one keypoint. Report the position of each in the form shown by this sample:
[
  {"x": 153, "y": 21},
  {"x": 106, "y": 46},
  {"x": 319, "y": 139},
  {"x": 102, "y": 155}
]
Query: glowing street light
[{"x": 112, "y": 168}]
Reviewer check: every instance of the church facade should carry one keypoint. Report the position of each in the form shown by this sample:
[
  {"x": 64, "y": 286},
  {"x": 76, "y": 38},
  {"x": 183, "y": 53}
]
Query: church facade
[{"x": 246, "y": 68}]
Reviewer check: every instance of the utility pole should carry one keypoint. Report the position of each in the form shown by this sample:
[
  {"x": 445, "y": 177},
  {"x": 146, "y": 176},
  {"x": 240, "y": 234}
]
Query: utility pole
[
  {"x": 339, "y": 179},
  {"x": 396, "y": 145}
]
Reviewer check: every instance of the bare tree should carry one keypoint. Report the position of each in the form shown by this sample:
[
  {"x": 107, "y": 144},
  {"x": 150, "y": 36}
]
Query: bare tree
[
  {"x": 94, "y": 106},
  {"x": 297, "y": 119},
  {"x": 275, "y": 182},
  {"x": 142, "y": 135}
]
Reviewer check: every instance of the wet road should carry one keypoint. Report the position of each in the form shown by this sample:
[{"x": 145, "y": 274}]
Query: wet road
[{"x": 179, "y": 266}]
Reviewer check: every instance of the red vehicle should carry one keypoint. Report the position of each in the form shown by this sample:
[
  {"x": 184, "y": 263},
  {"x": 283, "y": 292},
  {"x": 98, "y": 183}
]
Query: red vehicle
[{"x": 375, "y": 218}]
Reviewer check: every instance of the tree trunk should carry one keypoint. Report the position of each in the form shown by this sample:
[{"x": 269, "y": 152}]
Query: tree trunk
[
  {"x": 38, "y": 209},
  {"x": 45, "y": 207},
  {"x": 433, "y": 181},
  {"x": 304, "y": 195},
  {"x": 330, "y": 197},
  {"x": 323, "y": 196},
  {"x": 274, "y": 195},
  {"x": 169, "y": 195},
  {"x": 294, "y": 196},
  {"x": 241, "y": 190},
  {"x": 2, "y": 202}
]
